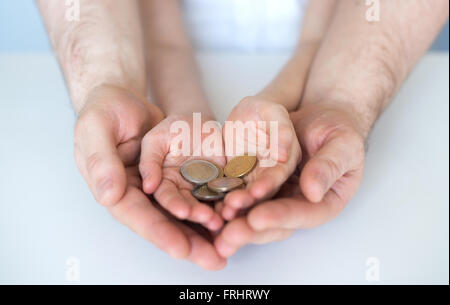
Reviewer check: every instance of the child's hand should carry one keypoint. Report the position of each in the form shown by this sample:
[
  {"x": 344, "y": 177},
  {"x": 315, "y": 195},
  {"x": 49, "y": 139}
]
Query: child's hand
[
  {"x": 333, "y": 148},
  {"x": 263, "y": 182},
  {"x": 160, "y": 169}
]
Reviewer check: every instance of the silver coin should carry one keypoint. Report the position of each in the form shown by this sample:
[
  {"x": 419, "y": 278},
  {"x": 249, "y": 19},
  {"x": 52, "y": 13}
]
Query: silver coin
[
  {"x": 203, "y": 193},
  {"x": 199, "y": 171},
  {"x": 225, "y": 184}
]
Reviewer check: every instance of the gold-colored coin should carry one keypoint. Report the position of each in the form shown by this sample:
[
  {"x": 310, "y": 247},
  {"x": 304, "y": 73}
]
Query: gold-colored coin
[
  {"x": 203, "y": 193},
  {"x": 225, "y": 184},
  {"x": 240, "y": 166},
  {"x": 219, "y": 169},
  {"x": 199, "y": 171}
]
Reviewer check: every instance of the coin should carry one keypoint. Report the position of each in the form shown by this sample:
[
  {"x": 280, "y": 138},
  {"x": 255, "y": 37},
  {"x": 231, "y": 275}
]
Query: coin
[
  {"x": 240, "y": 166},
  {"x": 203, "y": 193},
  {"x": 224, "y": 184},
  {"x": 220, "y": 170},
  {"x": 199, "y": 171}
]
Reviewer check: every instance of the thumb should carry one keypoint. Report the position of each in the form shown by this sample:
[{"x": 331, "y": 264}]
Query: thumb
[
  {"x": 339, "y": 155},
  {"x": 280, "y": 129},
  {"x": 153, "y": 152},
  {"x": 97, "y": 157}
]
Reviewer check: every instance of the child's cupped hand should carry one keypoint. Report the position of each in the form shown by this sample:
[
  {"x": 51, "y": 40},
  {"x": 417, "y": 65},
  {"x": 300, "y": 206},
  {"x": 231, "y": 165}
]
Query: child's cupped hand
[
  {"x": 164, "y": 150},
  {"x": 269, "y": 134}
]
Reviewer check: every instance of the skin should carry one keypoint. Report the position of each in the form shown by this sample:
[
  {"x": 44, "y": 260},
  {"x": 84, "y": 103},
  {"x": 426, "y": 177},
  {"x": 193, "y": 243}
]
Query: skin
[
  {"x": 263, "y": 182},
  {"x": 284, "y": 90},
  {"x": 108, "y": 92},
  {"x": 347, "y": 88},
  {"x": 160, "y": 169},
  {"x": 173, "y": 77},
  {"x": 343, "y": 74}
]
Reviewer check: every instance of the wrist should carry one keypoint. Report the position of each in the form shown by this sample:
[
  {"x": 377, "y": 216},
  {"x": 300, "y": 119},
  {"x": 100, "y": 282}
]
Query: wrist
[
  {"x": 186, "y": 107},
  {"x": 287, "y": 87},
  {"x": 89, "y": 63},
  {"x": 112, "y": 91},
  {"x": 206, "y": 115},
  {"x": 361, "y": 115}
]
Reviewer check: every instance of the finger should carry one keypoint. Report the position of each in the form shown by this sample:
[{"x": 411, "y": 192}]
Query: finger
[
  {"x": 270, "y": 180},
  {"x": 271, "y": 235},
  {"x": 215, "y": 223},
  {"x": 239, "y": 199},
  {"x": 200, "y": 212},
  {"x": 335, "y": 158},
  {"x": 229, "y": 213},
  {"x": 203, "y": 253},
  {"x": 233, "y": 236},
  {"x": 97, "y": 157},
  {"x": 266, "y": 185},
  {"x": 153, "y": 151},
  {"x": 285, "y": 133},
  {"x": 286, "y": 140},
  {"x": 235, "y": 201},
  {"x": 219, "y": 207},
  {"x": 170, "y": 198},
  {"x": 135, "y": 211},
  {"x": 238, "y": 233},
  {"x": 295, "y": 213}
]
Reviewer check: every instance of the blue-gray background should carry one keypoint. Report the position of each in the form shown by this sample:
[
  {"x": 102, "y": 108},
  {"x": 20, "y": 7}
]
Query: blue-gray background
[{"x": 21, "y": 29}]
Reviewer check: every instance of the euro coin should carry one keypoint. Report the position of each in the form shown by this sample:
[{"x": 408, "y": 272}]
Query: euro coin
[
  {"x": 224, "y": 184},
  {"x": 240, "y": 166},
  {"x": 203, "y": 193},
  {"x": 199, "y": 171},
  {"x": 219, "y": 169}
]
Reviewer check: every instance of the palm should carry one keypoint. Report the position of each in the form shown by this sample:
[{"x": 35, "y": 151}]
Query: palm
[
  {"x": 107, "y": 140},
  {"x": 329, "y": 175},
  {"x": 161, "y": 154},
  {"x": 275, "y": 163},
  {"x": 147, "y": 218}
]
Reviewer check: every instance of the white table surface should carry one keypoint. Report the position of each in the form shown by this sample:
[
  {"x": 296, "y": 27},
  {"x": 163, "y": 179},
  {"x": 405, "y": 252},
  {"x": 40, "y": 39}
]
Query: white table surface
[{"x": 400, "y": 215}]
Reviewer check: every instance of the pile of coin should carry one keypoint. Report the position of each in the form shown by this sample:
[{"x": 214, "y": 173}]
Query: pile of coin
[{"x": 211, "y": 181}]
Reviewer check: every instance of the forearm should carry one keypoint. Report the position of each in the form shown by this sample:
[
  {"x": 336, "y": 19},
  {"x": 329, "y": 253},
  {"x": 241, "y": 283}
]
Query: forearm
[
  {"x": 103, "y": 47},
  {"x": 287, "y": 86},
  {"x": 173, "y": 75},
  {"x": 361, "y": 65}
]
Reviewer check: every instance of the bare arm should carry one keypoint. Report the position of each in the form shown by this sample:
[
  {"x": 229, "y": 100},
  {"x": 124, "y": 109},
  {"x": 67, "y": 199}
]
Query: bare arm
[
  {"x": 287, "y": 87},
  {"x": 173, "y": 74},
  {"x": 103, "y": 47},
  {"x": 362, "y": 64},
  {"x": 358, "y": 69}
]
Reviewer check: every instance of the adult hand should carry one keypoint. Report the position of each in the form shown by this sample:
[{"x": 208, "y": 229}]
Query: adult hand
[
  {"x": 331, "y": 172},
  {"x": 108, "y": 137}
]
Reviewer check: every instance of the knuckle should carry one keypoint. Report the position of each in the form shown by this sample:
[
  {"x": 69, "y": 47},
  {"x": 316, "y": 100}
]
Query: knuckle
[
  {"x": 93, "y": 162},
  {"x": 83, "y": 122},
  {"x": 332, "y": 167},
  {"x": 286, "y": 132}
]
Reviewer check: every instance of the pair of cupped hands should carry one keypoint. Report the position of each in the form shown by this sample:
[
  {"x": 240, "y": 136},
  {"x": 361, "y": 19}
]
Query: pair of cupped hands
[{"x": 123, "y": 150}]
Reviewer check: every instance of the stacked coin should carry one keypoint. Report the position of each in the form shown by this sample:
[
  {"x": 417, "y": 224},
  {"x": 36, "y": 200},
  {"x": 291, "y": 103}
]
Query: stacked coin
[{"x": 211, "y": 185}]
